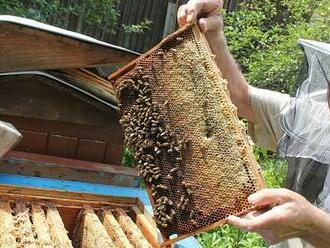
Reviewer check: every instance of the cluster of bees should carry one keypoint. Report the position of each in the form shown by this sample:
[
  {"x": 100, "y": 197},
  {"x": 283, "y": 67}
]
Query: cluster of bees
[{"x": 152, "y": 142}]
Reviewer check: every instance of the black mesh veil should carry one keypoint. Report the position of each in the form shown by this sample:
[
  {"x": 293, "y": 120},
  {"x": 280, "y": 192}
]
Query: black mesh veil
[{"x": 306, "y": 124}]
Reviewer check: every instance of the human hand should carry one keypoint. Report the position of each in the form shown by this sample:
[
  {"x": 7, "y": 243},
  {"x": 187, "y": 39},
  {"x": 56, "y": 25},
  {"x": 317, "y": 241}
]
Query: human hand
[
  {"x": 206, "y": 12},
  {"x": 291, "y": 216}
]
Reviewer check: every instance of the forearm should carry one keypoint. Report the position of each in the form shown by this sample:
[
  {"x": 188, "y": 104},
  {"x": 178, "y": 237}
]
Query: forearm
[
  {"x": 237, "y": 85},
  {"x": 319, "y": 235}
]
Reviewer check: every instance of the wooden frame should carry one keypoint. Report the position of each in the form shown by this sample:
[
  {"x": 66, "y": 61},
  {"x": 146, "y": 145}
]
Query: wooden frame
[
  {"x": 201, "y": 38},
  {"x": 70, "y": 204}
]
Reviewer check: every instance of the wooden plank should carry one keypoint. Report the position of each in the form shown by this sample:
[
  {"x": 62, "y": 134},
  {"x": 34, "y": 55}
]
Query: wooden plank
[
  {"x": 41, "y": 227},
  {"x": 33, "y": 142},
  {"x": 57, "y": 230},
  {"x": 90, "y": 232},
  {"x": 51, "y": 51},
  {"x": 62, "y": 146},
  {"x": 140, "y": 16},
  {"x": 148, "y": 228},
  {"x": 7, "y": 234},
  {"x": 65, "y": 198},
  {"x": 132, "y": 231},
  {"x": 153, "y": 17},
  {"x": 114, "y": 230},
  {"x": 91, "y": 77},
  {"x": 41, "y": 97},
  {"x": 111, "y": 133},
  {"x": 147, "y": 12},
  {"x": 68, "y": 169},
  {"x": 91, "y": 150},
  {"x": 113, "y": 154},
  {"x": 170, "y": 20},
  {"x": 159, "y": 22},
  {"x": 24, "y": 231}
]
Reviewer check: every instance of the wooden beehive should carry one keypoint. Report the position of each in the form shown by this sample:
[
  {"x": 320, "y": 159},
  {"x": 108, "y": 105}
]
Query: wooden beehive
[
  {"x": 189, "y": 145},
  {"x": 57, "y": 219}
]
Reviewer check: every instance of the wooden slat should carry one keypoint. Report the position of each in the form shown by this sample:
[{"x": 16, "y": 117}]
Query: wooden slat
[
  {"x": 114, "y": 230},
  {"x": 90, "y": 232},
  {"x": 62, "y": 197},
  {"x": 7, "y": 236},
  {"x": 33, "y": 142},
  {"x": 43, "y": 98},
  {"x": 71, "y": 169},
  {"x": 132, "y": 231},
  {"x": 51, "y": 51},
  {"x": 92, "y": 78},
  {"x": 57, "y": 229},
  {"x": 148, "y": 228},
  {"x": 41, "y": 227},
  {"x": 113, "y": 154},
  {"x": 61, "y": 146},
  {"x": 24, "y": 231},
  {"x": 91, "y": 150}
]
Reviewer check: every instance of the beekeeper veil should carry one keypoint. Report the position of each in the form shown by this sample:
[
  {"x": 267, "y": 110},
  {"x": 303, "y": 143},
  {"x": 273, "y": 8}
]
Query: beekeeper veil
[{"x": 306, "y": 126}]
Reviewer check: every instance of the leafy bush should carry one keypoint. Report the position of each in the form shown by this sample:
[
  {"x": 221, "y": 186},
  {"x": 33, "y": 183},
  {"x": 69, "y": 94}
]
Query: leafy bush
[
  {"x": 263, "y": 36},
  {"x": 89, "y": 13},
  {"x": 55, "y": 12}
]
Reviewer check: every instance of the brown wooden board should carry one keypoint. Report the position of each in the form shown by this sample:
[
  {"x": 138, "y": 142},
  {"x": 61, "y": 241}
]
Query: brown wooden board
[
  {"x": 28, "y": 48},
  {"x": 28, "y": 164}
]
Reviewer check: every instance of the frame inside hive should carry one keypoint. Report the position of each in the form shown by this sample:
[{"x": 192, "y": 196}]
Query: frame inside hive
[
  {"x": 189, "y": 145},
  {"x": 48, "y": 218}
]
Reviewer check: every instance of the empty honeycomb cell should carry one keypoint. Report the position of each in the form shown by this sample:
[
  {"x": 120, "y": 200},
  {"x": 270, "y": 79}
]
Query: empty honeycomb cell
[{"x": 189, "y": 145}]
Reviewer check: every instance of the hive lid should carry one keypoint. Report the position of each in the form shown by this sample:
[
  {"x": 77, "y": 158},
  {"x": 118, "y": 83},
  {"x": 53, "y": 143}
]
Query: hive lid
[{"x": 30, "y": 45}]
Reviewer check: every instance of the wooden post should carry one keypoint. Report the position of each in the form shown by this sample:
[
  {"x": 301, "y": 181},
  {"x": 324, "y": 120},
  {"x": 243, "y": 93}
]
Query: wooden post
[
  {"x": 170, "y": 21},
  {"x": 24, "y": 231},
  {"x": 7, "y": 237},
  {"x": 90, "y": 232},
  {"x": 132, "y": 231},
  {"x": 41, "y": 227},
  {"x": 57, "y": 230},
  {"x": 113, "y": 228}
]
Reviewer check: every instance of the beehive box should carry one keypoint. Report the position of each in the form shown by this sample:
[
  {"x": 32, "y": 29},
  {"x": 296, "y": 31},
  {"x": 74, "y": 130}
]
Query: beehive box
[
  {"x": 189, "y": 145},
  {"x": 57, "y": 219}
]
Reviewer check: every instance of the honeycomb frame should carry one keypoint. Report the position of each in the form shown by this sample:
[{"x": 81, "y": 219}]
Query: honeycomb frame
[{"x": 189, "y": 145}]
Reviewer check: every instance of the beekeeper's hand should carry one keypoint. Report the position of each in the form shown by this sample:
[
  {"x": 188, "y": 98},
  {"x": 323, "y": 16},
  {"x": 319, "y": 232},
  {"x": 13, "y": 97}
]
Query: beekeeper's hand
[
  {"x": 291, "y": 216},
  {"x": 206, "y": 12}
]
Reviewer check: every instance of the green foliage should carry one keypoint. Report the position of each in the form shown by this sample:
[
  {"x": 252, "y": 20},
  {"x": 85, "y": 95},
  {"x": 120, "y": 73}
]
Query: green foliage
[
  {"x": 274, "y": 169},
  {"x": 229, "y": 237},
  {"x": 263, "y": 36},
  {"x": 128, "y": 158},
  {"x": 89, "y": 13},
  {"x": 137, "y": 28}
]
